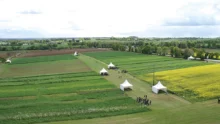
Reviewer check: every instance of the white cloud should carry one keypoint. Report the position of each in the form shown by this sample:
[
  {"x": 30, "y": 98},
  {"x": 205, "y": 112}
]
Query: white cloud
[{"x": 77, "y": 18}]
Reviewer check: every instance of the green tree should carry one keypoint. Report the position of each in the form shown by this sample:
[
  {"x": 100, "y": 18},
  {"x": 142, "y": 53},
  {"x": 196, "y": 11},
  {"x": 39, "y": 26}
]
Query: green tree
[
  {"x": 172, "y": 51},
  {"x": 187, "y": 53},
  {"x": 165, "y": 51},
  {"x": 147, "y": 50},
  {"x": 177, "y": 52},
  {"x": 159, "y": 51}
]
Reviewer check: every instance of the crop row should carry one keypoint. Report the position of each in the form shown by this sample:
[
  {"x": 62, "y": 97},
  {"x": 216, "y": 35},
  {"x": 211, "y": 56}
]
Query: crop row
[
  {"x": 49, "y": 76},
  {"x": 138, "y": 64},
  {"x": 33, "y": 114},
  {"x": 56, "y": 97},
  {"x": 42, "y": 59},
  {"x": 49, "y": 81}
]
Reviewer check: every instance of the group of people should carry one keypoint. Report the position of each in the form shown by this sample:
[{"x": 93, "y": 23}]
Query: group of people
[{"x": 144, "y": 100}]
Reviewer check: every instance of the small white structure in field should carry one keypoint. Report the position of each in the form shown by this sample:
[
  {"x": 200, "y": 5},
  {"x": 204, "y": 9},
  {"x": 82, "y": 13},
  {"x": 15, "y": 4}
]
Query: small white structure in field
[
  {"x": 158, "y": 87},
  {"x": 190, "y": 58},
  {"x": 111, "y": 65},
  {"x": 126, "y": 85},
  {"x": 75, "y": 54},
  {"x": 8, "y": 61},
  {"x": 103, "y": 72}
]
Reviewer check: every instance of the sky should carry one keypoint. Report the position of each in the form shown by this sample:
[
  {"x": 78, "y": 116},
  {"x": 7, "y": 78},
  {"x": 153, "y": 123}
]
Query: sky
[{"x": 106, "y": 18}]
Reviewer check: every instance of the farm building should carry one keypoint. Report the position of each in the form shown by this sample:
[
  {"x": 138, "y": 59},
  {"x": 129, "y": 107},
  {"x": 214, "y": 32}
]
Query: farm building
[
  {"x": 158, "y": 87},
  {"x": 111, "y": 65},
  {"x": 8, "y": 61},
  {"x": 103, "y": 72},
  {"x": 125, "y": 85}
]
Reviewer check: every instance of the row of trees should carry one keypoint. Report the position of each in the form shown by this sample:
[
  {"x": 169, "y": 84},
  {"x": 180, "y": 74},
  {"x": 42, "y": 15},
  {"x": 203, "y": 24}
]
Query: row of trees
[{"x": 182, "y": 49}]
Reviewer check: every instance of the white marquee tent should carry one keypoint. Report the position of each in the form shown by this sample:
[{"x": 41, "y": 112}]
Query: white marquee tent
[
  {"x": 158, "y": 87},
  {"x": 75, "y": 54},
  {"x": 8, "y": 61},
  {"x": 190, "y": 58},
  {"x": 126, "y": 85},
  {"x": 111, "y": 65},
  {"x": 103, "y": 71}
]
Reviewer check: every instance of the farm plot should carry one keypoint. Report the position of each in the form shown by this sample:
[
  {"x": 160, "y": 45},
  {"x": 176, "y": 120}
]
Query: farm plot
[
  {"x": 42, "y": 59},
  {"x": 57, "y": 97},
  {"x": 34, "y": 53},
  {"x": 43, "y": 65},
  {"x": 52, "y": 67},
  {"x": 139, "y": 64},
  {"x": 195, "y": 83}
]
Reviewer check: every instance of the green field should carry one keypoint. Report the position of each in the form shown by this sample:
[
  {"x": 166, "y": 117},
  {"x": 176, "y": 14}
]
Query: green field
[
  {"x": 70, "y": 91},
  {"x": 39, "y": 68},
  {"x": 69, "y": 96},
  {"x": 166, "y": 108},
  {"x": 139, "y": 64},
  {"x": 142, "y": 66},
  {"x": 42, "y": 59}
]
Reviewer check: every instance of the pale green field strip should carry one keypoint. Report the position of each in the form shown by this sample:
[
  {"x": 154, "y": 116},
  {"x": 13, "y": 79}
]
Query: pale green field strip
[
  {"x": 39, "y": 68},
  {"x": 42, "y": 59},
  {"x": 43, "y": 79}
]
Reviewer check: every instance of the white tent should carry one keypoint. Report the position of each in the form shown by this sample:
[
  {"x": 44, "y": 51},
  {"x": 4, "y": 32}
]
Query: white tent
[
  {"x": 75, "y": 54},
  {"x": 125, "y": 85},
  {"x": 158, "y": 87},
  {"x": 190, "y": 58},
  {"x": 111, "y": 65},
  {"x": 8, "y": 61},
  {"x": 103, "y": 72}
]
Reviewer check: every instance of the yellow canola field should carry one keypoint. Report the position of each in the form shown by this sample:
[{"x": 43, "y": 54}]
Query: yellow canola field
[{"x": 201, "y": 82}]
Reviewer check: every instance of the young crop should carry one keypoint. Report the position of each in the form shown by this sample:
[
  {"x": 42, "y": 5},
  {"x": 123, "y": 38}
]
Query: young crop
[{"x": 59, "y": 97}]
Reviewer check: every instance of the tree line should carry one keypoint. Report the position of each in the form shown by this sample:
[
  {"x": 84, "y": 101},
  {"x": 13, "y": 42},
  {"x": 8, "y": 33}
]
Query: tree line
[{"x": 175, "y": 47}]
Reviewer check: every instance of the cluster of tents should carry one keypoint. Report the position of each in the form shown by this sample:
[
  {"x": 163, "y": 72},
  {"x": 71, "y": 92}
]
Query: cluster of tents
[
  {"x": 128, "y": 86},
  {"x": 104, "y": 71},
  {"x": 125, "y": 85}
]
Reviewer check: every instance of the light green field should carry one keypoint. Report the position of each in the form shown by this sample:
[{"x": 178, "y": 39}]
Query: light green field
[
  {"x": 138, "y": 64},
  {"x": 39, "y": 68},
  {"x": 42, "y": 59},
  {"x": 61, "y": 97}
]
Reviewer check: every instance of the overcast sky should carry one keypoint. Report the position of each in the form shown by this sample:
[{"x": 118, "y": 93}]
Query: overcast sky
[{"x": 105, "y": 18}]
